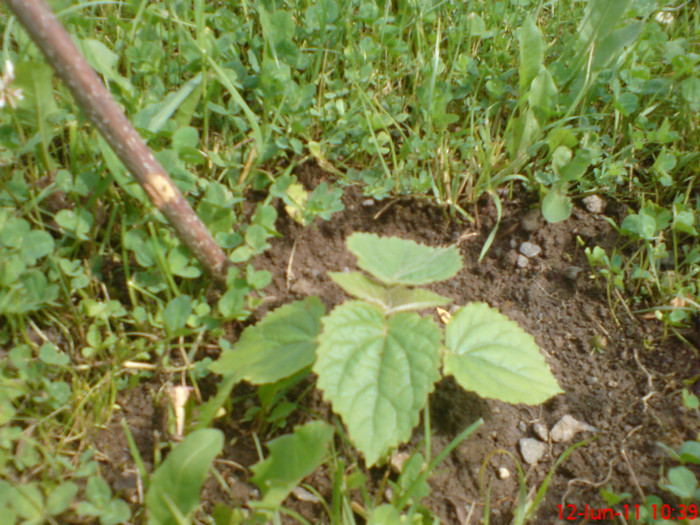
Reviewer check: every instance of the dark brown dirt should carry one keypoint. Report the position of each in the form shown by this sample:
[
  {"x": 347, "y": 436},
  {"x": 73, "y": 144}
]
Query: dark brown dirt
[{"x": 617, "y": 373}]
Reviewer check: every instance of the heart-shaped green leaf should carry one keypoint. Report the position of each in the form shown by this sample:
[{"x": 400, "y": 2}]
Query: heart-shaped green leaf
[
  {"x": 399, "y": 261},
  {"x": 391, "y": 299},
  {"x": 377, "y": 371},
  {"x": 280, "y": 345},
  {"x": 491, "y": 355}
]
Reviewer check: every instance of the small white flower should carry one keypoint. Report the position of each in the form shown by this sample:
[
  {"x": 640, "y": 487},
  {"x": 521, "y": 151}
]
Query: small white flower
[
  {"x": 9, "y": 95},
  {"x": 664, "y": 17}
]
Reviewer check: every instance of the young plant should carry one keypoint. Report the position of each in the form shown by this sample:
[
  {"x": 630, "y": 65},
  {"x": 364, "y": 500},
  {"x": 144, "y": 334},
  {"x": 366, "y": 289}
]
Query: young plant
[
  {"x": 173, "y": 492},
  {"x": 377, "y": 359}
]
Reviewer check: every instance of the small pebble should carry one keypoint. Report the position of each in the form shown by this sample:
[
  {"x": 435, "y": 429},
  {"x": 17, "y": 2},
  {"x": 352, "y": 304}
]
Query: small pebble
[
  {"x": 503, "y": 473},
  {"x": 532, "y": 450},
  {"x": 572, "y": 272},
  {"x": 389, "y": 494},
  {"x": 304, "y": 495},
  {"x": 531, "y": 221},
  {"x": 368, "y": 202},
  {"x": 522, "y": 261},
  {"x": 522, "y": 426},
  {"x": 594, "y": 204},
  {"x": 512, "y": 257},
  {"x": 591, "y": 380},
  {"x": 567, "y": 427},
  {"x": 530, "y": 249},
  {"x": 540, "y": 430}
]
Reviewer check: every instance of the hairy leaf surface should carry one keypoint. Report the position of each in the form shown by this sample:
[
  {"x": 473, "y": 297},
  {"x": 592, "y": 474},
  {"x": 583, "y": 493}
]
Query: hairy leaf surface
[
  {"x": 391, "y": 299},
  {"x": 399, "y": 261},
  {"x": 278, "y": 346},
  {"x": 377, "y": 371},
  {"x": 491, "y": 355}
]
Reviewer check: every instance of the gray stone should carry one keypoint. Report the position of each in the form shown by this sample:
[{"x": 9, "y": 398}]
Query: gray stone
[
  {"x": 594, "y": 204},
  {"x": 530, "y": 249},
  {"x": 532, "y": 450},
  {"x": 572, "y": 272},
  {"x": 567, "y": 427},
  {"x": 522, "y": 261},
  {"x": 512, "y": 257},
  {"x": 540, "y": 430}
]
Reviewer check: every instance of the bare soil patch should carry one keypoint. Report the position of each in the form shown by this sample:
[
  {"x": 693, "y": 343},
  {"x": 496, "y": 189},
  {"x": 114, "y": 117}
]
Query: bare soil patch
[{"x": 617, "y": 373}]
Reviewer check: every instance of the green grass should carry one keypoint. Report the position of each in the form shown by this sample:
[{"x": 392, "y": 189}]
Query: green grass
[{"x": 439, "y": 99}]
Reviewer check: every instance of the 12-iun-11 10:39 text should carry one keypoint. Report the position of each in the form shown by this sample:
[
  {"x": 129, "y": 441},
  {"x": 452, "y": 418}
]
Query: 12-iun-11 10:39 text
[{"x": 666, "y": 512}]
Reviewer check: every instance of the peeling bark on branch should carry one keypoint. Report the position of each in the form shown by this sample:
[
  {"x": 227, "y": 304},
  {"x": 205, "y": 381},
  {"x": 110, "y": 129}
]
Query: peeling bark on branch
[{"x": 104, "y": 113}]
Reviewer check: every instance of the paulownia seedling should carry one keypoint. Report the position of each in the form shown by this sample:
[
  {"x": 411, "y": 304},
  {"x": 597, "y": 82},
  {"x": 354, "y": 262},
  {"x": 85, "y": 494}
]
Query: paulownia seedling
[{"x": 377, "y": 359}]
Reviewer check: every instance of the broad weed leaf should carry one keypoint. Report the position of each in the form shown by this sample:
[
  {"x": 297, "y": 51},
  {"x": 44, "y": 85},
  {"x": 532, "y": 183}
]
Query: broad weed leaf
[
  {"x": 176, "y": 313},
  {"x": 602, "y": 16},
  {"x": 176, "y": 483},
  {"x": 690, "y": 90},
  {"x": 543, "y": 92},
  {"x": 399, "y": 261},
  {"x": 105, "y": 61},
  {"x": 385, "y": 515},
  {"x": 681, "y": 482},
  {"x": 612, "y": 45},
  {"x": 28, "y": 503},
  {"x": 391, "y": 299},
  {"x": 292, "y": 458},
  {"x": 491, "y": 355},
  {"x": 36, "y": 245},
  {"x": 61, "y": 498},
  {"x": 577, "y": 167},
  {"x": 525, "y": 130},
  {"x": 641, "y": 225},
  {"x": 690, "y": 452},
  {"x": 531, "y": 52},
  {"x": 556, "y": 205},
  {"x": 377, "y": 371},
  {"x": 78, "y": 223},
  {"x": 35, "y": 79},
  {"x": 171, "y": 104},
  {"x": 280, "y": 345}
]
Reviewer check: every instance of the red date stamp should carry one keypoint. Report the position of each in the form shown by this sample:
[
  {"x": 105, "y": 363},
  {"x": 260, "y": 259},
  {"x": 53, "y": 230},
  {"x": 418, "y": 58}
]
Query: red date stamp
[{"x": 666, "y": 512}]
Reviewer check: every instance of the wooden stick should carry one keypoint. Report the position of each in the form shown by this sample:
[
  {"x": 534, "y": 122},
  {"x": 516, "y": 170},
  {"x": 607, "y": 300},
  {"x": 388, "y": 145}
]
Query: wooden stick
[{"x": 105, "y": 114}]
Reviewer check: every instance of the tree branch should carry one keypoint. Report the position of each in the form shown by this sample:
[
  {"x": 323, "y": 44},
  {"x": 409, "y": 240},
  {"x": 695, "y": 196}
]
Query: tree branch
[{"x": 105, "y": 114}]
